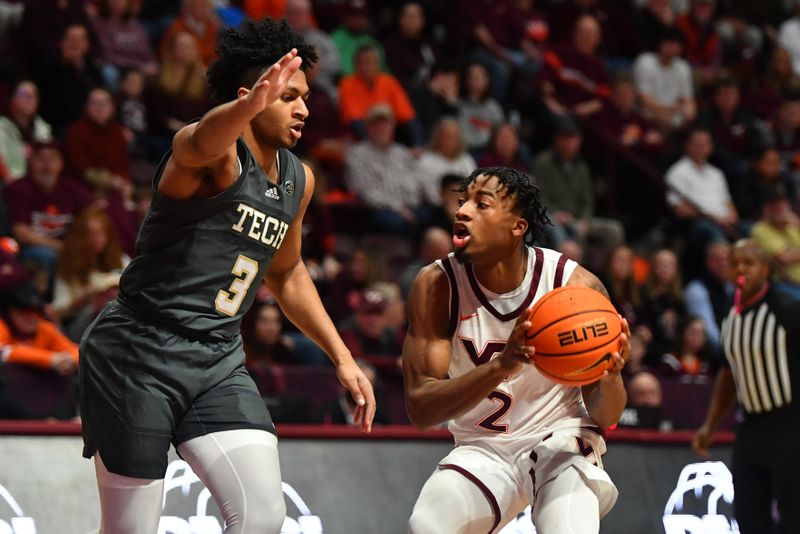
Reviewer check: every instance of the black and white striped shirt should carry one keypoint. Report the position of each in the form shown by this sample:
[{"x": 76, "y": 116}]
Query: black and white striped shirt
[{"x": 762, "y": 348}]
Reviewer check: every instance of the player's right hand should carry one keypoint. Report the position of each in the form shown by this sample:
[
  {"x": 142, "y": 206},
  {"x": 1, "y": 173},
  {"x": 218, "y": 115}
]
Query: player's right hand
[
  {"x": 517, "y": 352},
  {"x": 271, "y": 85},
  {"x": 701, "y": 441}
]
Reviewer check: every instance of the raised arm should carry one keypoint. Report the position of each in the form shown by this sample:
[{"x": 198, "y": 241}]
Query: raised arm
[
  {"x": 206, "y": 150},
  {"x": 431, "y": 397},
  {"x": 288, "y": 280},
  {"x": 605, "y": 399}
]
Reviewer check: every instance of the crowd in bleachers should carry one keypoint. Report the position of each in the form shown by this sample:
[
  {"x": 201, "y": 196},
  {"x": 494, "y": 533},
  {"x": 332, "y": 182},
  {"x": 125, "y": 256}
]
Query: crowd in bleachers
[{"x": 659, "y": 130}]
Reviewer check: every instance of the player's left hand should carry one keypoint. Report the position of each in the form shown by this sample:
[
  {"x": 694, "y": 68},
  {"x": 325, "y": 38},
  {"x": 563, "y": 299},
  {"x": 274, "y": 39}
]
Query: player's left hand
[
  {"x": 621, "y": 356},
  {"x": 359, "y": 386}
]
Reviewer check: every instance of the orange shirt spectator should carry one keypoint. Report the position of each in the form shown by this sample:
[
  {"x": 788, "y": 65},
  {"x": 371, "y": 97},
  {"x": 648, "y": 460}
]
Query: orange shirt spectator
[
  {"x": 197, "y": 18},
  {"x": 260, "y": 9},
  {"x": 367, "y": 86},
  {"x": 28, "y": 339}
]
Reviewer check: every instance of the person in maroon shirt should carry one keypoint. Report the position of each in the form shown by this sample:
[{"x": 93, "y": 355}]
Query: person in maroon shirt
[
  {"x": 701, "y": 40},
  {"x": 96, "y": 146},
  {"x": 504, "y": 149},
  {"x": 574, "y": 79},
  {"x": 42, "y": 205},
  {"x": 410, "y": 53},
  {"x": 617, "y": 38},
  {"x": 621, "y": 123}
]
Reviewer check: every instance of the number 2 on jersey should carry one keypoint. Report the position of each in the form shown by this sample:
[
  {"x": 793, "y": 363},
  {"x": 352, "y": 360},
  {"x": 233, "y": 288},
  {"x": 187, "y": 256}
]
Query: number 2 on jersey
[
  {"x": 489, "y": 422},
  {"x": 228, "y": 302}
]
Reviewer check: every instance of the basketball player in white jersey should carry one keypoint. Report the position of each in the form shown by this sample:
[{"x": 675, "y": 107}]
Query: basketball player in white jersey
[{"x": 520, "y": 438}]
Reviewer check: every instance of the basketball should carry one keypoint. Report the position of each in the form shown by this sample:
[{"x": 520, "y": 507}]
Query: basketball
[{"x": 574, "y": 330}]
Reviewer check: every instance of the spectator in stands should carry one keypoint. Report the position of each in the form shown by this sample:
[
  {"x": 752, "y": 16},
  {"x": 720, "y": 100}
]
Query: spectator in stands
[
  {"x": 12, "y": 272},
  {"x": 89, "y": 267},
  {"x": 652, "y": 20},
  {"x": 786, "y": 131},
  {"x": 701, "y": 40},
  {"x": 443, "y": 215},
  {"x": 778, "y": 233},
  {"x": 43, "y": 205},
  {"x": 620, "y": 121},
  {"x": 497, "y": 45},
  {"x": 132, "y": 112},
  {"x": 623, "y": 289},
  {"x": 765, "y": 173},
  {"x": 478, "y": 112},
  {"x": 436, "y": 243},
  {"x": 691, "y": 355},
  {"x": 779, "y": 82},
  {"x": 43, "y": 24},
  {"x": 789, "y": 38},
  {"x": 265, "y": 342},
  {"x": 198, "y": 19},
  {"x": 368, "y": 87},
  {"x": 324, "y": 139},
  {"x": 300, "y": 17},
  {"x": 354, "y": 34},
  {"x": 636, "y": 361},
  {"x": 351, "y": 281},
  {"x": 446, "y": 154},
  {"x": 21, "y": 128},
  {"x": 664, "y": 81},
  {"x": 384, "y": 175},
  {"x": 709, "y": 296},
  {"x": 437, "y": 97},
  {"x": 504, "y": 150},
  {"x": 179, "y": 92},
  {"x": 699, "y": 196},
  {"x": 574, "y": 80},
  {"x": 123, "y": 41},
  {"x": 616, "y": 34},
  {"x": 410, "y": 53},
  {"x": 568, "y": 191},
  {"x": 735, "y": 133},
  {"x": 645, "y": 402},
  {"x": 662, "y": 308},
  {"x": 29, "y": 339},
  {"x": 96, "y": 145},
  {"x": 65, "y": 80},
  {"x": 343, "y": 411},
  {"x": 368, "y": 332}
]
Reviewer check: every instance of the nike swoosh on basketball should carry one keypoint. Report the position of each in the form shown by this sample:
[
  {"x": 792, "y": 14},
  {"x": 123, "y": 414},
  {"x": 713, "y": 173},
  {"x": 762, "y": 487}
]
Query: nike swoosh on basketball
[{"x": 468, "y": 317}]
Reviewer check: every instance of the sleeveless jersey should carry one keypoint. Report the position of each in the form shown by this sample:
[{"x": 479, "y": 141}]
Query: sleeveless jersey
[
  {"x": 200, "y": 262},
  {"x": 480, "y": 323}
]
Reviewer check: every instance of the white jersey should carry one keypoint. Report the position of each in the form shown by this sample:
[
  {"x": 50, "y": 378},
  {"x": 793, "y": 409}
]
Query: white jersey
[{"x": 480, "y": 323}]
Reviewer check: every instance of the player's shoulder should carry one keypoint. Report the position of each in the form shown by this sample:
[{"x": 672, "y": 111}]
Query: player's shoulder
[{"x": 432, "y": 277}]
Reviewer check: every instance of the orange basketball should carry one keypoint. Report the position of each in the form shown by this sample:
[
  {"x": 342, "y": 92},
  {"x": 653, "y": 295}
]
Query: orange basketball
[{"x": 574, "y": 330}]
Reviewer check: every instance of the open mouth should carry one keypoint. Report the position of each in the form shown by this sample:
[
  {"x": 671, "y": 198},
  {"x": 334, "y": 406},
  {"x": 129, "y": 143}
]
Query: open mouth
[
  {"x": 461, "y": 235},
  {"x": 296, "y": 130}
]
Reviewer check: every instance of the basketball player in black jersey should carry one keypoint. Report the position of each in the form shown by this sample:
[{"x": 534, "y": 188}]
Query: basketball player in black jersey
[{"x": 164, "y": 362}]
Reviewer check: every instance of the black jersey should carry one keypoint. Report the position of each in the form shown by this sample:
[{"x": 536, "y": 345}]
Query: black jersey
[
  {"x": 762, "y": 348},
  {"x": 200, "y": 262}
]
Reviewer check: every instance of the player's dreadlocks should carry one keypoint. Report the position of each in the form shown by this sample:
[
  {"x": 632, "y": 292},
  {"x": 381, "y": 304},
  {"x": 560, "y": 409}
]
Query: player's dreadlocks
[
  {"x": 526, "y": 194},
  {"x": 245, "y": 53}
]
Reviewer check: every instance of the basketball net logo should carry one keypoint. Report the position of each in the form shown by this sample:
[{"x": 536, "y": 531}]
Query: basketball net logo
[
  {"x": 18, "y": 524},
  {"x": 709, "y": 482},
  {"x": 180, "y": 476}
]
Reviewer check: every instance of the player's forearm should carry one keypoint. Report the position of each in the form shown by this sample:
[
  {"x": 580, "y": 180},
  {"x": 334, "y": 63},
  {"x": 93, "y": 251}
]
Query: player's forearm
[
  {"x": 215, "y": 133},
  {"x": 722, "y": 400},
  {"x": 300, "y": 302},
  {"x": 436, "y": 401},
  {"x": 605, "y": 401}
]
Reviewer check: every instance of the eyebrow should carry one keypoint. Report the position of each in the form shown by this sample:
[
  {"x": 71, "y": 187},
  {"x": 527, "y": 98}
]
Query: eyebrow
[
  {"x": 294, "y": 89},
  {"x": 486, "y": 192}
]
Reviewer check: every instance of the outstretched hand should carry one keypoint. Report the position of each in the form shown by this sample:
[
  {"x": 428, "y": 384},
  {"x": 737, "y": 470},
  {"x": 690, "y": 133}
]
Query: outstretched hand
[
  {"x": 271, "y": 85},
  {"x": 352, "y": 377}
]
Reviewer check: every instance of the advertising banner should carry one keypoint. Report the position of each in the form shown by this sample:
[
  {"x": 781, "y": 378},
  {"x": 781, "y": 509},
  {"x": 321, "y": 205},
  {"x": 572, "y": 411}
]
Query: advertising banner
[{"x": 355, "y": 486}]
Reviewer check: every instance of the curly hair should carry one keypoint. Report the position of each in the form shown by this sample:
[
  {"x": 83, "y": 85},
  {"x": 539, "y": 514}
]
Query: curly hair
[
  {"x": 526, "y": 194},
  {"x": 245, "y": 53}
]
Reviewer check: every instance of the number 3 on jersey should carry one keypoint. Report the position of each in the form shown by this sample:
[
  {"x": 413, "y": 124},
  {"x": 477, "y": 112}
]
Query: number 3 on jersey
[{"x": 228, "y": 302}]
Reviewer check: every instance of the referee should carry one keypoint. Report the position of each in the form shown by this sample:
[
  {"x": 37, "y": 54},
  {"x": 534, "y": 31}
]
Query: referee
[{"x": 761, "y": 339}]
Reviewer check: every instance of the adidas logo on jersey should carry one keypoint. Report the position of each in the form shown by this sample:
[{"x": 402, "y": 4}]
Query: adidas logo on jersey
[{"x": 272, "y": 193}]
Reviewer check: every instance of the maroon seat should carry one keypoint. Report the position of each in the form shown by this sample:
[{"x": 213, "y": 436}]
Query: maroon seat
[{"x": 43, "y": 393}]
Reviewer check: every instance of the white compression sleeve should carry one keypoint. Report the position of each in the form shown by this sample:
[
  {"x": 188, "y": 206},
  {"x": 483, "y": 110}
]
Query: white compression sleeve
[
  {"x": 128, "y": 505},
  {"x": 241, "y": 470}
]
